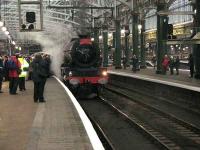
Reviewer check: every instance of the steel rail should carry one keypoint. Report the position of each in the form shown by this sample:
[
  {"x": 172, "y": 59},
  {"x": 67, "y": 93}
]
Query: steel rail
[{"x": 146, "y": 130}]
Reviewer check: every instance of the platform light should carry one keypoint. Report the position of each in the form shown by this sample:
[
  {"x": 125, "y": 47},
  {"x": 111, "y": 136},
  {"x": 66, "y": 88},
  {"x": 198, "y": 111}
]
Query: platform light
[
  {"x": 122, "y": 31},
  {"x": 92, "y": 39},
  {"x": 20, "y": 48},
  {"x": 109, "y": 35},
  {"x": 23, "y": 26},
  {"x": 3, "y": 28},
  {"x": 6, "y": 32},
  {"x": 139, "y": 26},
  {"x": 1, "y": 23},
  {"x": 13, "y": 42},
  {"x": 195, "y": 11},
  {"x": 100, "y": 37},
  {"x": 31, "y": 27},
  {"x": 16, "y": 47}
]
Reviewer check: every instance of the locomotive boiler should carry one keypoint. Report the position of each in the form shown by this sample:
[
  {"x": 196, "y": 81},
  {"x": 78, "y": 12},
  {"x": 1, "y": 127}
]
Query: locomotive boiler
[{"x": 81, "y": 70}]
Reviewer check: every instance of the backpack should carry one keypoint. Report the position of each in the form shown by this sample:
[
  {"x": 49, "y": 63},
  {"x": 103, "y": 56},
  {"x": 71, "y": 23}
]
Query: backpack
[{"x": 11, "y": 65}]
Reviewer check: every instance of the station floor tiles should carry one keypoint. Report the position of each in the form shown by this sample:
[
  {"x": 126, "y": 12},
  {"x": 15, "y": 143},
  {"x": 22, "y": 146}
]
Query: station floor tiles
[{"x": 54, "y": 125}]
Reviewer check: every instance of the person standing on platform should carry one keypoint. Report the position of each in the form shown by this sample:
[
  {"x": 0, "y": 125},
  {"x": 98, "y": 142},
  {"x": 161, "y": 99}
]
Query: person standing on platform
[
  {"x": 165, "y": 64},
  {"x": 39, "y": 77},
  {"x": 124, "y": 62},
  {"x": 48, "y": 63},
  {"x": 171, "y": 65},
  {"x": 29, "y": 60},
  {"x": 135, "y": 63},
  {"x": 13, "y": 65},
  {"x": 6, "y": 70},
  {"x": 153, "y": 60},
  {"x": 23, "y": 74},
  {"x": 177, "y": 64},
  {"x": 1, "y": 73},
  {"x": 191, "y": 65}
]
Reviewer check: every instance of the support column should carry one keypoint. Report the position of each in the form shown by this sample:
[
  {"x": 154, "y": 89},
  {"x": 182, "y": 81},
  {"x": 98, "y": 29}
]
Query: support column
[
  {"x": 118, "y": 45},
  {"x": 127, "y": 51},
  {"x": 196, "y": 48},
  {"x": 114, "y": 46},
  {"x": 142, "y": 47},
  {"x": 96, "y": 36},
  {"x": 135, "y": 34},
  {"x": 105, "y": 49},
  {"x": 162, "y": 22}
]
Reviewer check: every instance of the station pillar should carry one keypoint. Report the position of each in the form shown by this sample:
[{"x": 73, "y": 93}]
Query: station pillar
[
  {"x": 118, "y": 45},
  {"x": 162, "y": 22},
  {"x": 114, "y": 46},
  {"x": 127, "y": 51},
  {"x": 142, "y": 47},
  {"x": 196, "y": 48},
  {"x": 105, "y": 49},
  {"x": 135, "y": 34},
  {"x": 96, "y": 36}
]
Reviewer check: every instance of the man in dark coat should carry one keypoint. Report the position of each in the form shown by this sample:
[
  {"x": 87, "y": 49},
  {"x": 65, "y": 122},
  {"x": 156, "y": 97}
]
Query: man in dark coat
[
  {"x": 177, "y": 64},
  {"x": 6, "y": 70},
  {"x": 135, "y": 63},
  {"x": 39, "y": 76}
]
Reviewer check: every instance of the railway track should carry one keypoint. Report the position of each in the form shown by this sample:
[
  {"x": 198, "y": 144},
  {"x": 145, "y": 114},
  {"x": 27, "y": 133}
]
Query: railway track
[
  {"x": 172, "y": 132},
  {"x": 122, "y": 131}
]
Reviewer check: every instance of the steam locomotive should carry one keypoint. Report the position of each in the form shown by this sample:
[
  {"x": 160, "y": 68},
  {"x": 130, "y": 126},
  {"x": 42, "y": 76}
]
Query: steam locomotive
[{"x": 81, "y": 70}]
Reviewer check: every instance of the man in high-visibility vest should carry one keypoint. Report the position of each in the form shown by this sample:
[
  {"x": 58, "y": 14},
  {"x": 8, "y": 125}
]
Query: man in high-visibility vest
[{"x": 23, "y": 74}]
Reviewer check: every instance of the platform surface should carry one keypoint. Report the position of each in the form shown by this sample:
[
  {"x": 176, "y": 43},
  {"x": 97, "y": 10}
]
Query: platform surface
[
  {"x": 54, "y": 125},
  {"x": 182, "y": 78}
]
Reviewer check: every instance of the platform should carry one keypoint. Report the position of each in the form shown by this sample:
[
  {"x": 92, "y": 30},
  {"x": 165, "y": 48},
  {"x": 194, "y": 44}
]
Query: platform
[
  {"x": 57, "y": 124},
  {"x": 182, "y": 78}
]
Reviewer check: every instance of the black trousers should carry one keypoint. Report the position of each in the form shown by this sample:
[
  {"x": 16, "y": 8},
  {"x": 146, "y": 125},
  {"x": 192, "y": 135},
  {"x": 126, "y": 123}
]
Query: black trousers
[
  {"x": 13, "y": 83},
  {"x": 22, "y": 83},
  {"x": 39, "y": 90}
]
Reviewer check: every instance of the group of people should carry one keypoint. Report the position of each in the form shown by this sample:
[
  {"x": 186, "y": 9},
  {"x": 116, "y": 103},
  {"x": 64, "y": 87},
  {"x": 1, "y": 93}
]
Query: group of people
[
  {"x": 168, "y": 63},
  {"x": 18, "y": 68},
  {"x": 135, "y": 63},
  {"x": 174, "y": 62},
  {"x": 171, "y": 63},
  {"x": 14, "y": 69}
]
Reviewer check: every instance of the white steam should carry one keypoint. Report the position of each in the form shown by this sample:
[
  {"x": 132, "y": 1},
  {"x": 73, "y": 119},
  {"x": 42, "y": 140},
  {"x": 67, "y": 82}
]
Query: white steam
[{"x": 53, "y": 44}]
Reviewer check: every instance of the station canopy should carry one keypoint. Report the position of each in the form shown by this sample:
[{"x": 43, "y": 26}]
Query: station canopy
[{"x": 60, "y": 17}]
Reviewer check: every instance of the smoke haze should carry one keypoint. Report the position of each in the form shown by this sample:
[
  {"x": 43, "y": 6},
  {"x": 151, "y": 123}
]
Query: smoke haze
[{"x": 53, "y": 44}]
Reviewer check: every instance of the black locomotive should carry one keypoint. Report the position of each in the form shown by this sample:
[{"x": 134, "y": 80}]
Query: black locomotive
[{"x": 81, "y": 70}]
